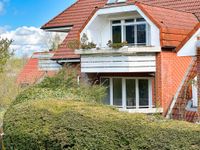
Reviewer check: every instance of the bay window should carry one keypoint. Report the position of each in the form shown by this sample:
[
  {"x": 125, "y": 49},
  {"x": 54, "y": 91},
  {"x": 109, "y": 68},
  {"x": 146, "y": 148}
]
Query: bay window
[{"x": 133, "y": 31}]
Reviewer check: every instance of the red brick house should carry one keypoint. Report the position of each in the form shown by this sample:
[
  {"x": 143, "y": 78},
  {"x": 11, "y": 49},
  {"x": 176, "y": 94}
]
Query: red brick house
[{"x": 144, "y": 76}]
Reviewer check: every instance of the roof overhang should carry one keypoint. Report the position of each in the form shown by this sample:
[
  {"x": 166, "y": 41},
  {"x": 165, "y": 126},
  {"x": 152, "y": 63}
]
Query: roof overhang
[
  {"x": 189, "y": 47},
  {"x": 69, "y": 61},
  {"x": 58, "y": 28}
]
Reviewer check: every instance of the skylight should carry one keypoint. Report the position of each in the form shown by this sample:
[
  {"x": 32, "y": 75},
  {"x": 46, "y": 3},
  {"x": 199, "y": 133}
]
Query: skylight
[{"x": 115, "y": 1}]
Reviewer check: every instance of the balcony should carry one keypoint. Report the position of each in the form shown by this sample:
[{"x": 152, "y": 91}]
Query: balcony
[
  {"x": 126, "y": 59},
  {"x": 116, "y": 25}
]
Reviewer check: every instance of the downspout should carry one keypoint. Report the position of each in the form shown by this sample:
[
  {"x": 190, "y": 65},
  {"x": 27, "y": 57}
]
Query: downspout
[{"x": 198, "y": 74}]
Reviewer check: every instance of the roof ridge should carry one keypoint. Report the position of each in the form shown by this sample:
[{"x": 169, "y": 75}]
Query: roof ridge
[{"x": 164, "y": 7}]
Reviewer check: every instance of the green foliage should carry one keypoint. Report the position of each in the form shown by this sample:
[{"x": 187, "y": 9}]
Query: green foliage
[
  {"x": 75, "y": 44},
  {"x": 83, "y": 44},
  {"x": 8, "y": 87},
  {"x": 4, "y": 52},
  {"x": 116, "y": 45},
  {"x": 63, "y": 86},
  {"x": 55, "y": 41},
  {"x": 60, "y": 124}
]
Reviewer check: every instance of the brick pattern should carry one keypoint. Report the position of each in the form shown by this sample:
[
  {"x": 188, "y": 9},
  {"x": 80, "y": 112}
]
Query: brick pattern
[
  {"x": 169, "y": 75},
  {"x": 179, "y": 112}
]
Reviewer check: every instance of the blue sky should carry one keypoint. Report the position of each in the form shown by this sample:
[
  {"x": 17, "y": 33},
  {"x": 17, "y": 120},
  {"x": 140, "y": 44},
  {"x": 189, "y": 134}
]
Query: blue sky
[
  {"x": 20, "y": 20},
  {"x": 18, "y": 13}
]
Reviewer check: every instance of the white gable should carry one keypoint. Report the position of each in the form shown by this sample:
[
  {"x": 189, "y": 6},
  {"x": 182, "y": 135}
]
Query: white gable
[
  {"x": 98, "y": 28},
  {"x": 190, "y": 48}
]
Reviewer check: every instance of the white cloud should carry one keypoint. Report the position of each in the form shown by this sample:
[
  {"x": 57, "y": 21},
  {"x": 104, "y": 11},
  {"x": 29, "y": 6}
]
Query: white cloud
[{"x": 27, "y": 40}]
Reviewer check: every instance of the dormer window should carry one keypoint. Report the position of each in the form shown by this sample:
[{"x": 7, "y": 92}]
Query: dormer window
[
  {"x": 115, "y": 1},
  {"x": 133, "y": 31}
]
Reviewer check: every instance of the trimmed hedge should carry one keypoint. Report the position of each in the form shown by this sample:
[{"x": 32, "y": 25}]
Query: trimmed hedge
[{"x": 59, "y": 124}]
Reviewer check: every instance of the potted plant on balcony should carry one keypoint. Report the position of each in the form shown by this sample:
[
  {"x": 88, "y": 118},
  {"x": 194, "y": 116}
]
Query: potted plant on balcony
[{"x": 116, "y": 45}]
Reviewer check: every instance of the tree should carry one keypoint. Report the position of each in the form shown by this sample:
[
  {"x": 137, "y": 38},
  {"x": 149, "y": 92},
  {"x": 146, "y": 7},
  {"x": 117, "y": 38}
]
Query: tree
[
  {"x": 55, "y": 41},
  {"x": 4, "y": 52}
]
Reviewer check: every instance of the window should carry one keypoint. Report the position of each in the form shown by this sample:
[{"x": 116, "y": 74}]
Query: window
[
  {"x": 133, "y": 31},
  {"x": 116, "y": 30},
  {"x": 117, "y": 92},
  {"x": 116, "y": 1},
  {"x": 143, "y": 93},
  {"x": 106, "y": 82},
  {"x": 128, "y": 93},
  {"x": 194, "y": 93}
]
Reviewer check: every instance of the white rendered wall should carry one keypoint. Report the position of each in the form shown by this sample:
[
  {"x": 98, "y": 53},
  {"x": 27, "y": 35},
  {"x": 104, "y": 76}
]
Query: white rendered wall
[
  {"x": 190, "y": 48},
  {"x": 99, "y": 31}
]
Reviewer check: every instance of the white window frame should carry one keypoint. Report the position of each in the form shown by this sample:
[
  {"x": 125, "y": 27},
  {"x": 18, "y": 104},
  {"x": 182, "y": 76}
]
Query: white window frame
[
  {"x": 123, "y": 24},
  {"x": 194, "y": 93},
  {"x": 116, "y": 1},
  {"x": 137, "y": 91}
]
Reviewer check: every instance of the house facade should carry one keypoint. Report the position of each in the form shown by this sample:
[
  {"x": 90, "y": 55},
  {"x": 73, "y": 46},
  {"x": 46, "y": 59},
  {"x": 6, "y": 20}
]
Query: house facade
[{"x": 136, "y": 48}]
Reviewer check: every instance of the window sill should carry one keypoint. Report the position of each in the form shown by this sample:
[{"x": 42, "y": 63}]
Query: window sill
[{"x": 144, "y": 110}]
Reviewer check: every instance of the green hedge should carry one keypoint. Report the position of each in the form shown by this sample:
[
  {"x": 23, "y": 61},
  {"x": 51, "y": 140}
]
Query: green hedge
[
  {"x": 62, "y": 86},
  {"x": 59, "y": 124}
]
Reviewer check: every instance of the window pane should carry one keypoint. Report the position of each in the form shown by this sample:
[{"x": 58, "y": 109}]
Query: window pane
[
  {"x": 130, "y": 34},
  {"x": 143, "y": 93},
  {"x": 106, "y": 82},
  {"x": 116, "y": 30},
  {"x": 130, "y": 93},
  {"x": 116, "y": 21},
  {"x": 117, "y": 91},
  {"x": 140, "y": 19},
  {"x": 141, "y": 34},
  {"x": 129, "y": 20}
]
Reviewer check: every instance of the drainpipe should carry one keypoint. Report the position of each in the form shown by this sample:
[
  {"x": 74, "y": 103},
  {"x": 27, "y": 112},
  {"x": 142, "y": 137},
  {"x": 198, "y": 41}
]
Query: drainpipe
[{"x": 198, "y": 71}]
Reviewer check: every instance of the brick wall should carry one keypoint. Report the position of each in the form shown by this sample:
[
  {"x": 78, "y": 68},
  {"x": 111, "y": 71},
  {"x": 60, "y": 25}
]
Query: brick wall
[{"x": 171, "y": 70}]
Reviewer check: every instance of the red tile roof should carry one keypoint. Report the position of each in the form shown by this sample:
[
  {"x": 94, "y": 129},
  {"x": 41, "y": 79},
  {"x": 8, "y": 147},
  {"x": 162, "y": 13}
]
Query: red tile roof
[
  {"x": 169, "y": 15},
  {"x": 31, "y": 74},
  {"x": 174, "y": 25},
  {"x": 192, "y": 6}
]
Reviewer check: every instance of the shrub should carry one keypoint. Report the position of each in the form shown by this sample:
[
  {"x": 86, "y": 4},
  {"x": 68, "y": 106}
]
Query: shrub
[
  {"x": 59, "y": 124},
  {"x": 63, "y": 86},
  {"x": 116, "y": 45}
]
